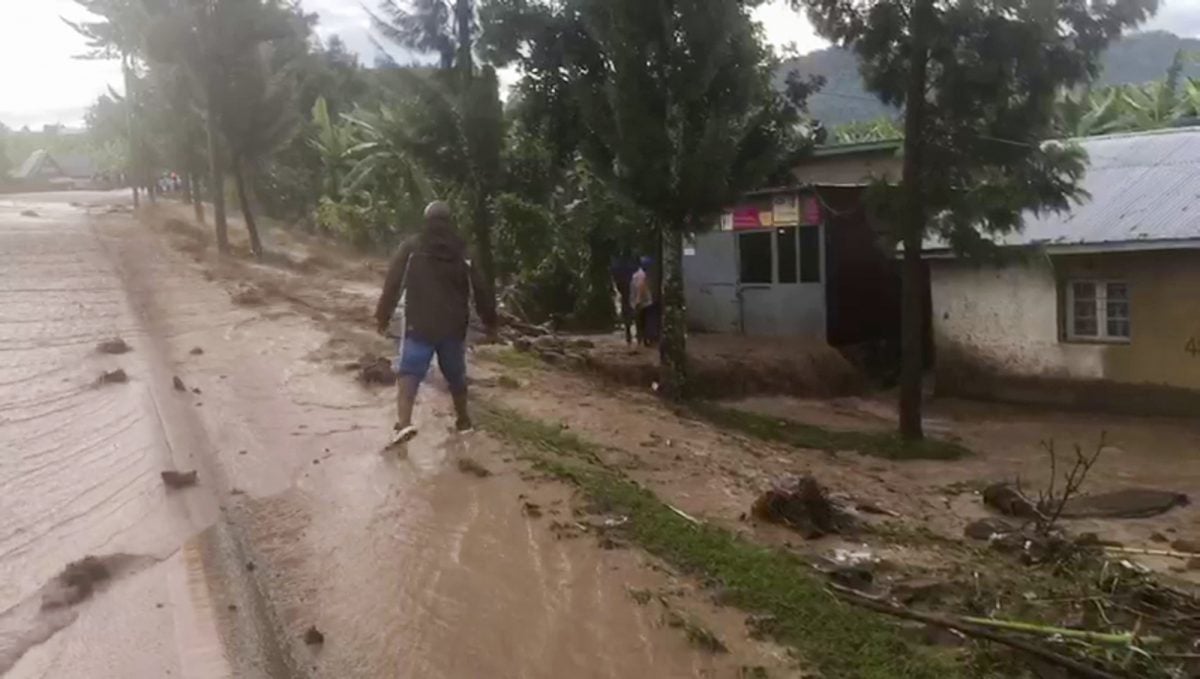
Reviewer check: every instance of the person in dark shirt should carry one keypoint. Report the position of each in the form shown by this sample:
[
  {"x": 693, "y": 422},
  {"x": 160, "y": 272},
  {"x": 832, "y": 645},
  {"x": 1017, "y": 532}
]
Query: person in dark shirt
[{"x": 425, "y": 307}]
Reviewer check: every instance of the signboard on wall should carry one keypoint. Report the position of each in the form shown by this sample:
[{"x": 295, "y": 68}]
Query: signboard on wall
[
  {"x": 812, "y": 211},
  {"x": 746, "y": 218},
  {"x": 726, "y": 221},
  {"x": 786, "y": 210}
]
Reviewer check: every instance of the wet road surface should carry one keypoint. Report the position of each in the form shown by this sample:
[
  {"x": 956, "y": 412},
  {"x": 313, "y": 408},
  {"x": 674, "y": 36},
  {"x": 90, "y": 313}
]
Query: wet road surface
[{"x": 407, "y": 566}]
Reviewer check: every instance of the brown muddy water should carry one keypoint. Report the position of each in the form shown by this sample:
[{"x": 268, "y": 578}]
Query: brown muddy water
[{"x": 407, "y": 566}]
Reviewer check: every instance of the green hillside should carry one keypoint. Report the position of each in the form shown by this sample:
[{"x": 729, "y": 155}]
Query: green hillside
[{"x": 1137, "y": 59}]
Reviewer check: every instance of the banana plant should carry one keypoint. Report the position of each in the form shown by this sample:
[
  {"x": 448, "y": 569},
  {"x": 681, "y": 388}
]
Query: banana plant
[{"x": 332, "y": 142}]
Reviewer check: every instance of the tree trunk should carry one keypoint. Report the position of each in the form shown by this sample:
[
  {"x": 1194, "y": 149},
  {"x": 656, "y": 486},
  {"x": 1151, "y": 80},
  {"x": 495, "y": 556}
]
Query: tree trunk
[
  {"x": 912, "y": 325},
  {"x": 483, "y": 242},
  {"x": 239, "y": 179},
  {"x": 133, "y": 175},
  {"x": 197, "y": 195},
  {"x": 673, "y": 379},
  {"x": 216, "y": 184}
]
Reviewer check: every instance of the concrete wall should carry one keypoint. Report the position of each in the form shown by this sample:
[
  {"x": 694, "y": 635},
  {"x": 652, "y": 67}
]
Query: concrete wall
[
  {"x": 998, "y": 332},
  {"x": 850, "y": 169}
]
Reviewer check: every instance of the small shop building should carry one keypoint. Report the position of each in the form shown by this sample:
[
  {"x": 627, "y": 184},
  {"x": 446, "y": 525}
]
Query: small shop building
[
  {"x": 1098, "y": 307},
  {"x": 803, "y": 261}
]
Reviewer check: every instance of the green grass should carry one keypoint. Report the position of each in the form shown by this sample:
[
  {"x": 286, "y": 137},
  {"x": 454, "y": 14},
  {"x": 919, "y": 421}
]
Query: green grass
[
  {"x": 833, "y": 639},
  {"x": 887, "y": 445},
  {"x": 511, "y": 358}
]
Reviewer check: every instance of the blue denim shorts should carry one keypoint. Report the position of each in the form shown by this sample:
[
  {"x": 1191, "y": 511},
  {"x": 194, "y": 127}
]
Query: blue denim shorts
[{"x": 413, "y": 357}]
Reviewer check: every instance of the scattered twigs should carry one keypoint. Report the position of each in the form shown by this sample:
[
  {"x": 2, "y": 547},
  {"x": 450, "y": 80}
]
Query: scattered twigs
[
  {"x": 684, "y": 514},
  {"x": 1044, "y": 630},
  {"x": 1151, "y": 552},
  {"x": 1053, "y": 500},
  {"x": 1079, "y": 668}
]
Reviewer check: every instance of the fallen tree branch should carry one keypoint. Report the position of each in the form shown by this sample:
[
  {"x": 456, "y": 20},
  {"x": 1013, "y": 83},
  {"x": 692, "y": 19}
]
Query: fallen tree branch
[
  {"x": 1083, "y": 635},
  {"x": 1141, "y": 551},
  {"x": 850, "y": 596}
]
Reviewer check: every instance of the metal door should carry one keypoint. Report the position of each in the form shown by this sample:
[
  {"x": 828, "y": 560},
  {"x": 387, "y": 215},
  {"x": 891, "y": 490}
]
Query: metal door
[{"x": 710, "y": 275}]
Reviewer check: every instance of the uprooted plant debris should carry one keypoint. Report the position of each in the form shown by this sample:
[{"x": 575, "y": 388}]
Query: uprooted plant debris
[
  {"x": 177, "y": 480},
  {"x": 801, "y": 503},
  {"x": 468, "y": 466},
  {"x": 115, "y": 346}
]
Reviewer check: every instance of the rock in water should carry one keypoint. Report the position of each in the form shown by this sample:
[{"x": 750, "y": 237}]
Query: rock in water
[
  {"x": 115, "y": 345},
  {"x": 313, "y": 636},
  {"x": 117, "y": 376},
  {"x": 179, "y": 385},
  {"x": 176, "y": 480}
]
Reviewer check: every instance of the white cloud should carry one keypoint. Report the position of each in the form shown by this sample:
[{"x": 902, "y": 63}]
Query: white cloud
[{"x": 41, "y": 81}]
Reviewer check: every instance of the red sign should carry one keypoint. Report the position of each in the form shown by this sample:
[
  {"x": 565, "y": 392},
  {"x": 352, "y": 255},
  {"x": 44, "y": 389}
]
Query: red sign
[
  {"x": 812, "y": 210},
  {"x": 746, "y": 218}
]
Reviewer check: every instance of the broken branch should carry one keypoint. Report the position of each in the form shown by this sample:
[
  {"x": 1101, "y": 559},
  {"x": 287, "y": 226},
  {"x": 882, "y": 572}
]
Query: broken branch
[
  {"x": 1081, "y": 669},
  {"x": 1083, "y": 635}
]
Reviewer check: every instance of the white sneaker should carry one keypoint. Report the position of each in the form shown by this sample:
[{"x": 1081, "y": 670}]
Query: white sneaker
[{"x": 402, "y": 435}]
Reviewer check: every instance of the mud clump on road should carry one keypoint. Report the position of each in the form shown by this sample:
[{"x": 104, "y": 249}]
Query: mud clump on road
[
  {"x": 801, "y": 503},
  {"x": 248, "y": 295},
  {"x": 468, "y": 466},
  {"x": 314, "y": 636},
  {"x": 375, "y": 371},
  {"x": 117, "y": 376},
  {"x": 177, "y": 480},
  {"x": 115, "y": 346},
  {"x": 76, "y": 583}
]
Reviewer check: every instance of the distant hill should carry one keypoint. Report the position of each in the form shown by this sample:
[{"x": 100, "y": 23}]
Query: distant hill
[{"x": 1137, "y": 59}]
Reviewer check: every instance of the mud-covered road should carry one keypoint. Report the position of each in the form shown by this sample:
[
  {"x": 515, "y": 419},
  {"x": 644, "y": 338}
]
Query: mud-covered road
[{"x": 408, "y": 567}]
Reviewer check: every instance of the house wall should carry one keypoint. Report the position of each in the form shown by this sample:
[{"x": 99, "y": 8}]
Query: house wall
[
  {"x": 850, "y": 169},
  {"x": 999, "y": 332}
]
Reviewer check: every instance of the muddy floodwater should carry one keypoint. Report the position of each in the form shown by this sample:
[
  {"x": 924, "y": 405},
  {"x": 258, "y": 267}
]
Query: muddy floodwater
[{"x": 406, "y": 566}]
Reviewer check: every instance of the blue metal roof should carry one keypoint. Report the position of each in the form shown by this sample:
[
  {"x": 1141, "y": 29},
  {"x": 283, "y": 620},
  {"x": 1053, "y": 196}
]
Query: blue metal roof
[{"x": 1144, "y": 193}]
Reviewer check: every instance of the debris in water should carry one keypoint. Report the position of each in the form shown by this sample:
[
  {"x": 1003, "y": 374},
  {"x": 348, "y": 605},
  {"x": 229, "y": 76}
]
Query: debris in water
[
  {"x": 985, "y": 529},
  {"x": 196, "y": 390},
  {"x": 29, "y": 213},
  {"x": 115, "y": 345},
  {"x": 468, "y": 466},
  {"x": 802, "y": 504},
  {"x": 248, "y": 296},
  {"x": 117, "y": 376},
  {"x": 376, "y": 370},
  {"x": 532, "y": 510},
  {"x": 179, "y": 385},
  {"x": 177, "y": 480},
  {"x": 313, "y": 636},
  {"x": 250, "y": 566},
  {"x": 76, "y": 583},
  {"x": 196, "y": 351}
]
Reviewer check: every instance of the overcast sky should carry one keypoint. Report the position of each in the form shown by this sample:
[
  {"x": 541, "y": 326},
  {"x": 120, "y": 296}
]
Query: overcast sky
[{"x": 41, "y": 83}]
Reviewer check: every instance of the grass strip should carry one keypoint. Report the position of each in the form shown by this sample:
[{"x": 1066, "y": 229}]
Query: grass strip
[
  {"x": 832, "y": 639},
  {"x": 887, "y": 445}
]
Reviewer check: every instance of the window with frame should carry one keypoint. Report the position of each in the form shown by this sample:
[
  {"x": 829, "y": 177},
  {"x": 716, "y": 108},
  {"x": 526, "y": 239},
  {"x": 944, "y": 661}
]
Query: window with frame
[{"x": 1098, "y": 311}]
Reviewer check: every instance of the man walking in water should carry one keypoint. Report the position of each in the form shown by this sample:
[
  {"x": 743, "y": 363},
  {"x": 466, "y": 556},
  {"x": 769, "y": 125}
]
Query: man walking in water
[{"x": 424, "y": 306}]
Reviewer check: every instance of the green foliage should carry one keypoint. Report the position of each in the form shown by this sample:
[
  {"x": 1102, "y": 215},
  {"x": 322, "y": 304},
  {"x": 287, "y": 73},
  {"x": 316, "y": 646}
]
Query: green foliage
[{"x": 880, "y": 129}]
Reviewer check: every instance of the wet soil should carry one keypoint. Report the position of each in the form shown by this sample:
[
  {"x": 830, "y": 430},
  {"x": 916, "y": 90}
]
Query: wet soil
[{"x": 439, "y": 573}]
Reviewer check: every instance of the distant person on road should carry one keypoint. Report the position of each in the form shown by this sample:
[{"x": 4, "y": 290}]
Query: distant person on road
[
  {"x": 622, "y": 275},
  {"x": 425, "y": 307},
  {"x": 641, "y": 298}
]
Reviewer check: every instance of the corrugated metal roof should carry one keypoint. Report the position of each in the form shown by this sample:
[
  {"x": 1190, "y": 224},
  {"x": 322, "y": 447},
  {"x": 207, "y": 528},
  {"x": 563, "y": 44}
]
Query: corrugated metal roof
[{"x": 1144, "y": 189}]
